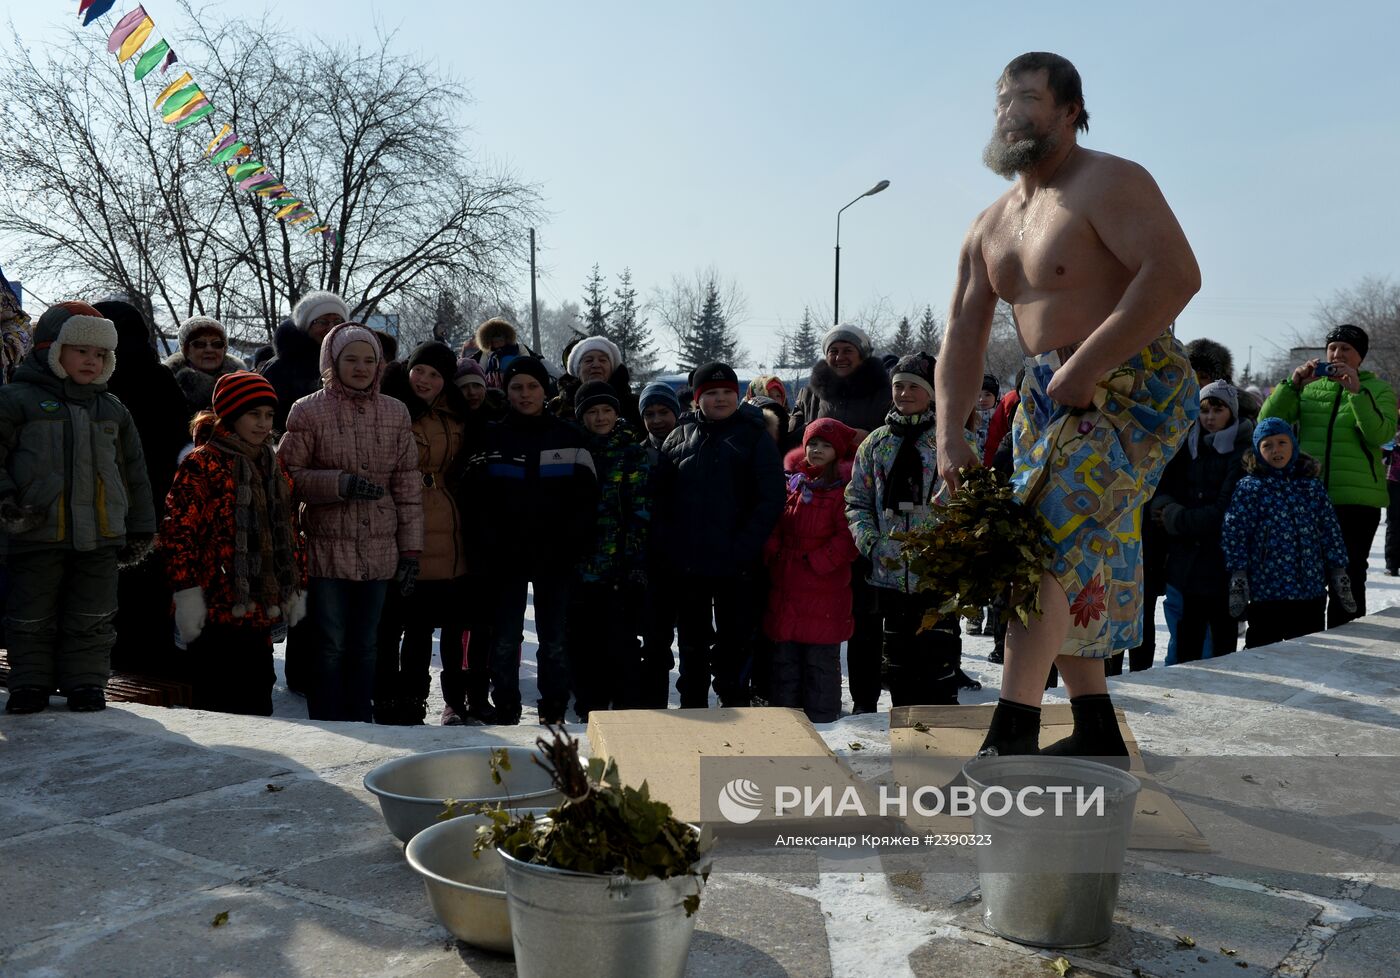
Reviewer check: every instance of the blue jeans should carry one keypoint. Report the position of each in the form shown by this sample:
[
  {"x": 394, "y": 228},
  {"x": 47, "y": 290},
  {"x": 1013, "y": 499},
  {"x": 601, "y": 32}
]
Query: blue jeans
[
  {"x": 551, "y": 619},
  {"x": 345, "y": 620}
]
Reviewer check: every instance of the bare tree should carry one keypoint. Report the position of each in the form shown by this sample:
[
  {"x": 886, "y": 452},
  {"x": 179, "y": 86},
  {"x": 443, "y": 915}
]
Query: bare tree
[
  {"x": 678, "y": 307},
  {"x": 101, "y": 194},
  {"x": 1373, "y": 303}
]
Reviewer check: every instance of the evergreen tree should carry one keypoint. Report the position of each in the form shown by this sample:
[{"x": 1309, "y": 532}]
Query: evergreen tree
[
  {"x": 903, "y": 342},
  {"x": 447, "y": 318},
  {"x": 710, "y": 337},
  {"x": 804, "y": 345},
  {"x": 930, "y": 334},
  {"x": 629, "y": 329},
  {"x": 595, "y": 317}
]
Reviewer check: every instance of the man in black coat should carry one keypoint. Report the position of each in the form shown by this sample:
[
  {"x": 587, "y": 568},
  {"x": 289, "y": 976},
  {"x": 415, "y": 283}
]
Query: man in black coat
[
  {"x": 721, "y": 492},
  {"x": 296, "y": 369}
]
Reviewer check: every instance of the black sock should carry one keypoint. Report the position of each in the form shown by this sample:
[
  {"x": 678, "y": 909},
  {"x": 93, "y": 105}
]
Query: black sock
[
  {"x": 1096, "y": 732},
  {"x": 1015, "y": 729}
]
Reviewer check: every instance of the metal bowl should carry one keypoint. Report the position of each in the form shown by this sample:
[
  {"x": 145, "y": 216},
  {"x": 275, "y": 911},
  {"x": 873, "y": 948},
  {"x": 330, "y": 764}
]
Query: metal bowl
[
  {"x": 467, "y": 893},
  {"x": 411, "y": 789}
]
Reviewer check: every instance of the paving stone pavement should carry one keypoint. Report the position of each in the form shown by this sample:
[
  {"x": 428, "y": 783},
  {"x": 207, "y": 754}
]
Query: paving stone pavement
[{"x": 128, "y": 834}]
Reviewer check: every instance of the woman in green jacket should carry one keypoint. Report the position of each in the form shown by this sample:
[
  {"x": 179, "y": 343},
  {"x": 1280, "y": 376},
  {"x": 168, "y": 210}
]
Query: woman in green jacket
[{"x": 1344, "y": 415}]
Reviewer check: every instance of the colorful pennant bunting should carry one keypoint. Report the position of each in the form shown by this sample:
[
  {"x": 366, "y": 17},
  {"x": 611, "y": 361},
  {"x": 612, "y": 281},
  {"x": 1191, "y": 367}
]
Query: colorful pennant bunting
[
  {"x": 183, "y": 102},
  {"x": 129, "y": 23},
  {"x": 95, "y": 9},
  {"x": 151, "y": 58}
]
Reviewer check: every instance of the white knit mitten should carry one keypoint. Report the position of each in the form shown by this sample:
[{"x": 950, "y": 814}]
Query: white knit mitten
[{"x": 190, "y": 613}]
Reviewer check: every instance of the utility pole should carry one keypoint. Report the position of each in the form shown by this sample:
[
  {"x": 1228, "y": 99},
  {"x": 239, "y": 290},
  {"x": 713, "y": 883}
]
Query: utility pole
[{"x": 534, "y": 306}]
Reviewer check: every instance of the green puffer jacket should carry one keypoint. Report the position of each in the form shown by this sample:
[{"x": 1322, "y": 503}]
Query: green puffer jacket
[
  {"x": 1344, "y": 432},
  {"x": 72, "y": 451}
]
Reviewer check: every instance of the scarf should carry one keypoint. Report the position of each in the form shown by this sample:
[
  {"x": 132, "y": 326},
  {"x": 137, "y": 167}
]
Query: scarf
[
  {"x": 804, "y": 482},
  {"x": 264, "y": 558},
  {"x": 905, "y": 482}
]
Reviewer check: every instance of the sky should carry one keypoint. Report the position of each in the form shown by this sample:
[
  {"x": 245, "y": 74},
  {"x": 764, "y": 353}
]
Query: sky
[{"x": 670, "y": 138}]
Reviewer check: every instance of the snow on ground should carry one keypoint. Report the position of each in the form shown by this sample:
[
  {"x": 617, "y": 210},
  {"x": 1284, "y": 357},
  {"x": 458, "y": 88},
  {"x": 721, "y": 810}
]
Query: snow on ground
[{"x": 871, "y": 730}]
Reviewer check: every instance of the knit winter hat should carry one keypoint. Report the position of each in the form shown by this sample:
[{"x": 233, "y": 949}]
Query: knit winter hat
[
  {"x": 1269, "y": 427},
  {"x": 659, "y": 393},
  {"x": 528, "y": 366},
  {"x": 238, "y": 393},
  {"x": 592, "y": 394},
  {"x": 469, "y": 372},
  {"x": 916, "y": 368},
  {"x": 75, "y": 324},
  {"x": 314, "y": 305},
  {"x": 588, "y": 346},
  {"x": 846, "y": 333},
  {"x": 1223, "y": 391},
  {"x": 839, "y": 436},
  {"x": 1353, "y": 335},
  {"x": 438, "y": 355},
  {"x": 197, "y": 325},
  {"x": 991, "y": 385},
  {"x": 713, "y": 375}
]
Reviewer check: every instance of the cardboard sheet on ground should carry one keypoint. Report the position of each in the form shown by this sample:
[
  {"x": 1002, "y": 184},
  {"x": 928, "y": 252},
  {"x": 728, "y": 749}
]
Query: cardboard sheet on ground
[
  {"x": 947, "y": 736},
  {"x": 665, "y": 748}
]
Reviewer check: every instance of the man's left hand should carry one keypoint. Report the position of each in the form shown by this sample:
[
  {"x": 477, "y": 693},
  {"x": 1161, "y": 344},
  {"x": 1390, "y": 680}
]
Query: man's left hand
[{"x": 1071, "y": 388}]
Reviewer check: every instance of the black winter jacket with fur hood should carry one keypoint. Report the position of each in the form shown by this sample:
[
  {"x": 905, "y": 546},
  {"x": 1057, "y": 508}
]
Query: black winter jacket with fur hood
[{"x": 860, "y": 401}]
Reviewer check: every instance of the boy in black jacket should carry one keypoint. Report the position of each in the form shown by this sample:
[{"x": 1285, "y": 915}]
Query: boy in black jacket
[{"x": 721, "y": 491}]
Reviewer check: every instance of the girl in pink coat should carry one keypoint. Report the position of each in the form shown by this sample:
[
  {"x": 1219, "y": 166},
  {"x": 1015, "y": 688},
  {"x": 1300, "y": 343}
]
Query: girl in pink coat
[
  {"x": 354, "y": 468},
  {"x": 809, "y": 559}
]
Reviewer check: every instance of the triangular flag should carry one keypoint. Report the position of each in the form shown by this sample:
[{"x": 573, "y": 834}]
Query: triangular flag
[
  {"x": 271, "y": 189},
  {"x": 193, "y": 105},
  {"x": 172, "y": 88},
  {"x": 319, "y": 229},
  {"x": 219, "y": 140},
  {"x": 151, "y": 58},
  {"x": 170, "y": 59},
  {"x": 95, "y": 9},
  {"x": 135, "y": 39},
  {"x": 124, "y": 28},
  {"x": 289, "y": 209},
  {"x": 195, "y": 116},
  {"x": 257, "y": 181},
  {"x": 305, "y": 217},
  {"x": 241, "y": 171},
  {"x": 285, "y": 200}
]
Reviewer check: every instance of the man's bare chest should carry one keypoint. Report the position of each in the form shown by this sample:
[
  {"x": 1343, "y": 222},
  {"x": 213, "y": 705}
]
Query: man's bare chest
[{"x": 1043, "y": 248}]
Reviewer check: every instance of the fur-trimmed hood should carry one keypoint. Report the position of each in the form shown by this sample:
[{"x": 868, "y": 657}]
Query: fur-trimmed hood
[
  {"x": 868, "y": 378},
  {"x": 492, "y": 329},
  {"x": 295, "y": 345},
  {"x": 1215, "y": 357},
  {"x": 796, "y": 461},
  {"x": 195, "y": 384}
]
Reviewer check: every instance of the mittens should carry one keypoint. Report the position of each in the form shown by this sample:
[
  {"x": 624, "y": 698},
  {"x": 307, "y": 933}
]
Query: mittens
[
  {"x": 190, "y": 613},
  {"x": 353, "y": 487},
  {"x": 138, "y": 545},
  {"x": 296, "y": 608},
  {"x": 16, "y": 519},
  {"x": 1239, "y": 594},
  {"x": 407, "y": 575},
  {"x": 1341, "y": 589}
]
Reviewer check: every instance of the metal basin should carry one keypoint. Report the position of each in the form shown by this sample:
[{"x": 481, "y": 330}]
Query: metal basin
[
  {"x": 411, "y": 789},
  {"x": 468, "y": 894}
]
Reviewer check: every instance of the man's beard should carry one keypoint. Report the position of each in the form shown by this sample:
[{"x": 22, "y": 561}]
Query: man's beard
[{"x": 1009, "y": 159}]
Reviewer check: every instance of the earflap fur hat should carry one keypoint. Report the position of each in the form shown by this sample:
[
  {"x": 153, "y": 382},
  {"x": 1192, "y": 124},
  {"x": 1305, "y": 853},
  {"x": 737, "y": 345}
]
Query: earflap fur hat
[
  {"x": 196, "y": 325},
  {"x": 75, "y": 324},
  {"x": 314, "y": 305}
]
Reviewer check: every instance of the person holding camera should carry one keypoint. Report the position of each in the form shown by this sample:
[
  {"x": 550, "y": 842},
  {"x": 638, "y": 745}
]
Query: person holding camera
[{"x": 1343, "y": 415}]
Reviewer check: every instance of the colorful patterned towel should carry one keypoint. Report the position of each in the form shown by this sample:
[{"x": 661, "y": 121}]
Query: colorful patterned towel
[{"x": 1089, "y": 471}]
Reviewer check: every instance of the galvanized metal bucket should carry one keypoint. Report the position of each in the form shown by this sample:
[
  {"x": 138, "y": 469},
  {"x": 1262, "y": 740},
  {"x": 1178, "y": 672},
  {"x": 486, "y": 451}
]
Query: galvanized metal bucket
[
  {"x": 591, "y": 926},
  {"x": 1051, "y": 880}
]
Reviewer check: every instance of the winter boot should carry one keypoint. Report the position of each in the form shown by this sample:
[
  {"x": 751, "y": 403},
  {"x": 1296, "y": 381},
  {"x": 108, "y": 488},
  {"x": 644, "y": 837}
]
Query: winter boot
[
  {"x": 28, "y": 699},
  {"x": 86, "y": 699},
  {"x": 1096, "y": 735}
]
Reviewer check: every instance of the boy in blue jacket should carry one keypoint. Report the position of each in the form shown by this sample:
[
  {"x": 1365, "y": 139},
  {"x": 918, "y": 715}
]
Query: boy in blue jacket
[{"x": 1283, "y": 545}]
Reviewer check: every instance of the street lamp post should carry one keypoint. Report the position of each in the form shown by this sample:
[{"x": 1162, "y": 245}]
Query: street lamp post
[{"x": 836, "y": 300}]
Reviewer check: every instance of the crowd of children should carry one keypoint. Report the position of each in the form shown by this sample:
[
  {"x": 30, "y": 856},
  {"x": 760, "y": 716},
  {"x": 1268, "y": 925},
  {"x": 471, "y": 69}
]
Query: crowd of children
[{"x": 403, "y": 498}]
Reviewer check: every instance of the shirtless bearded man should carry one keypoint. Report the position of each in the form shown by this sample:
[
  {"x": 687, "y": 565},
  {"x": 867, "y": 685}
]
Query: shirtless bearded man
[{"x": 1096, "y": 267}]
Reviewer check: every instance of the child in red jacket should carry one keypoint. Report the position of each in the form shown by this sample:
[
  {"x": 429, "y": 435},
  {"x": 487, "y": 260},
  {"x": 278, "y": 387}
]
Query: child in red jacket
[{"x": 809, "y": 560}]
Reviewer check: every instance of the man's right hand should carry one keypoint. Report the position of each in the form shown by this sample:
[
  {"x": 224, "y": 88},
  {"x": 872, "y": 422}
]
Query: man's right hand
[{"x": 958, "y": 454}]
